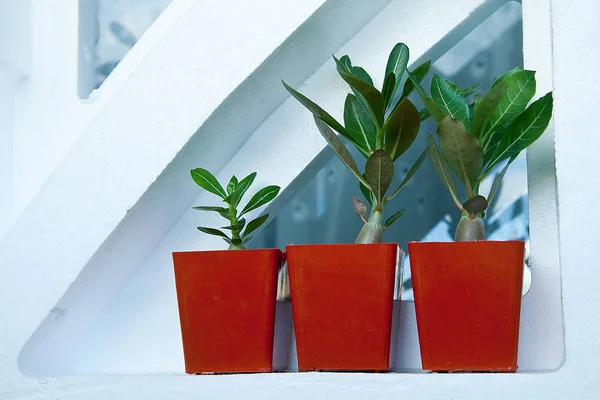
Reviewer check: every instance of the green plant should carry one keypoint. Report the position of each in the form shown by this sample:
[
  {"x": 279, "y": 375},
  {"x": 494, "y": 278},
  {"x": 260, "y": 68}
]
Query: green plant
[
  {"x": 474, "y": 138},
  {"x": 382, "y": 125},
  {"x": 232, "y": 196}
]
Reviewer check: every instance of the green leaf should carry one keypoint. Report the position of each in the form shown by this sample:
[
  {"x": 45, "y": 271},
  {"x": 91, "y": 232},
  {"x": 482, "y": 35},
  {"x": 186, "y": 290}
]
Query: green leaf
[
  {"x": 379, "y": 172},
  {"x": 247, "y": 239},
  {"x": 470, "y": 89},
  {"x": 357, "y": 71},
  {"x": 388, "y": 89},
  {"x": 524, "y": 130},
  {"x": 241, "y": 189},
  {"x": 237, "y": 227},
  {"x": 498, "y": 180},
  {"x": 367, "y": 193},
  {"x": 461, "y": 149},
  {"x": 431, "y": 106},
  {"x": 441, "y": 167},
  {"x": 502, "y": 77},
  {"x": 402, "y": 128},
  {"x": 396, "y": 64},
  {"x": 255, "y": 224},
  {"x": 359, "y": 123},
  {"x": 340, "y": 150},
  {"x": 372, "y": 96},
  {"x": 227, "y": 240},
  {"x": 232, "y": 185},
  {"x": 208, "y": 182},
  {"x": 450, "y": 100},
  {"x": 325, "y": 117},
  {"x": 424, "y": 114},
  {"x": 519, "y": 91},
  {"x": 211, "y": 208},
  {"x": 418, "y": 74},
  {"x": 212, "y": 231},
  {"x": 413, "y": 169},
  {"x": 262, "y": 197},
  {"x": 394, "y": 217},
  {"x": 485, "y": 107},
  {"x": 476, "y": 205}
]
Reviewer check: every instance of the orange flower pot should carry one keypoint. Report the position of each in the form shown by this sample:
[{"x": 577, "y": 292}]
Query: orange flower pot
[
  {"x": 227, "y": 309},
  {"x": 342, "y": 298},
  {"x": 468, "y": 303}
]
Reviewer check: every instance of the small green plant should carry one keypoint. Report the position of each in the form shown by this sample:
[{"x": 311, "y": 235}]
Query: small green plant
[
  {"x": 474, "y": 138},
  {"x": 382, "y": 125},
  {"x": 232, "y": 196}
]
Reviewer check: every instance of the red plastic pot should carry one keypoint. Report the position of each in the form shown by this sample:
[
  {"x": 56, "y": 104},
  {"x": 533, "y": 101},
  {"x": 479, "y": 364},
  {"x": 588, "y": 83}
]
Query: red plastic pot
[
  {"x": 227, "y": 309},
  {"x": 342, "y": 298},
  {"x": 468, "y": 303}
]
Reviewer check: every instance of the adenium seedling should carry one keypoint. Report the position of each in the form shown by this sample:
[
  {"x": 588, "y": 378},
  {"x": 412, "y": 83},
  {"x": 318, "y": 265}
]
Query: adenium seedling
[
  {"x": 474, "y": 138},
  {"x": 382, "y": 125},
  {"x": 232, "y": 196}
]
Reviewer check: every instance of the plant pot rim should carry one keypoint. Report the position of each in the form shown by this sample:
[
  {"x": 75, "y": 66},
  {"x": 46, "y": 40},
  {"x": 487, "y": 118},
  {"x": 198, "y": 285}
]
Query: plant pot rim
[
  {"x": 223, "y": 251},
  {"x": 473, "y": 242},
  {"x": 342, "y": 244}
]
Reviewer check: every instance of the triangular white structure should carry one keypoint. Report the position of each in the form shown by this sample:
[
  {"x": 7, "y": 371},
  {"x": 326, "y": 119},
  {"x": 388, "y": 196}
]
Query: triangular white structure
[{"x": 121, "y": 194}]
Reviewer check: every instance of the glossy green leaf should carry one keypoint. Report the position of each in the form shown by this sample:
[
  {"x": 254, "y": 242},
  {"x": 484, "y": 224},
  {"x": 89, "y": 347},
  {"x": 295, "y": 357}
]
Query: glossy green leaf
[
  {"x": 418, "y": 74},
  {"x": 357, "y": 71},
  {"x": 520, "y": 88},
  {"x": 394, "y": 217},
  {"x": 441, "y": 167},
  {"x": 372, "y": 96},
  {"x": 359, "y": 124},
  {"x": 462, "y": 150},
  {"x": 485, "y": 107},
  {"x": 208, "y": 182},
  {"x": 402, "y": 128},
  {"x": 241, "y": 189},
  {"x": 255, "y": 224},
  {"x": 431, "y": 106},
  {"x": 233, "y": 182},
  {"x": 396, "y": 64},
  {"x": 388, "y": 89},
  {"x": 261, "y": 198},
  {"x": 413, "y": 169},
  {"x": 524, "y": 130},
  {"x": 367, "y": 194},
  {"x": 424, "y": 114},
  {"x": 237, "y": 227},
  {"x": 379, "y": 172},
  {"x": 470, "y": 89},
  {"x": 502, "y": 77},
  {"x": 450, "y": 100},
  {"x": 212, "y": 231},
  {"x": 340, "y": 150},
  {"x": 227, "y": 240},
  {"x": 498, "y": 180}
]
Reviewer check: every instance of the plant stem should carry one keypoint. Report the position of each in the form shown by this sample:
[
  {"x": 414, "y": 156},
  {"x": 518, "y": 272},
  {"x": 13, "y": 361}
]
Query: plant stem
[
  {"x": 469, "y": 229},
  {"x": 235, "y": 233},
  {"x": 371, "y": 231}
]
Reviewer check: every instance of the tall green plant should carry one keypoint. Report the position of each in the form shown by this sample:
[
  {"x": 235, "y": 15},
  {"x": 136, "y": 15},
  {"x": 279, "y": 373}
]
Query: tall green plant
[
  {"x": 473, "y": 139},
  {"x": 382, "y": 125},
  {"x": 232, "y": 196}
]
